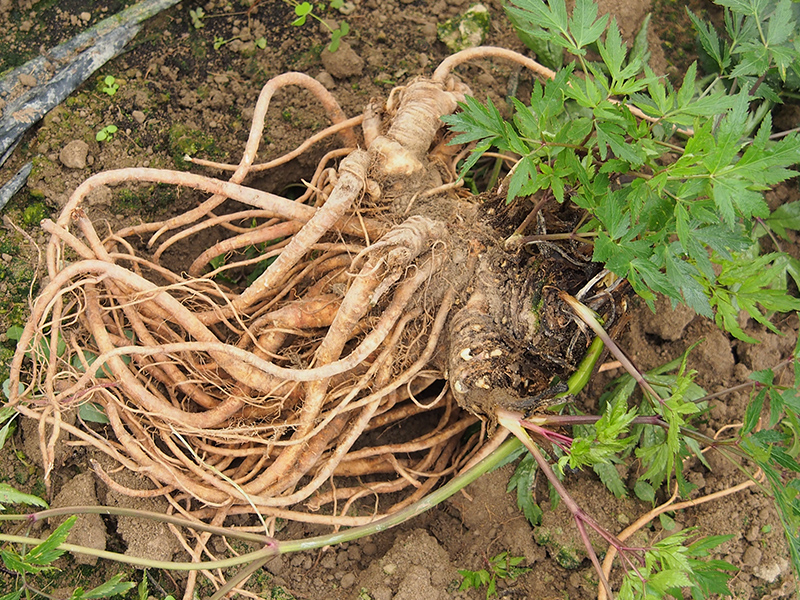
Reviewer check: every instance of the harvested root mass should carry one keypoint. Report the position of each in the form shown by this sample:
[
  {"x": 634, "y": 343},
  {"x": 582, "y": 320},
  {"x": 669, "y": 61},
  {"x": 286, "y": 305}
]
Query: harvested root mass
[{"x": 331, "y": 358}]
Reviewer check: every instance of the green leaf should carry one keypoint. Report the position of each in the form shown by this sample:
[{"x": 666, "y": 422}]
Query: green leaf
[
  {"x": 523, "y": 179},
  {"x": 10, "y": 495},
  {"x": 709, "y": 40},
  {"x": 537, "y": 39},
  {"x": 46, "y": 552},
  {"x": 703, "y": 545},
  {"x": 523, "y": 480},
  {"x": 303, "y": 9},
  {"x": 613, "y": 50},
  {"x": 640, "y": 49},
  {"x": 7, "y": 415},
  {"x": 609, "y": 475},
  {"x": 764, "y": 376},
  {"x": 16, "y": 563},
  {"x": 142, "y": 589},
  {"x": 477, "y": 122},
  {"x": 666, "y": 521},
  {"x": 584, "y": 25},
  {"x": 744, "y": 7},
  {"x": 644, "y": 491},
  {"x": 16, "y": 595},
  {"x": 112, "y": 587},
  {"x": 92, "y": 412},
  {"x": 552, "y": 15},
  {"x": 613, "y": 135},
  {"x": 780, "y": 25},
  {"x": 669, "y": 578}
]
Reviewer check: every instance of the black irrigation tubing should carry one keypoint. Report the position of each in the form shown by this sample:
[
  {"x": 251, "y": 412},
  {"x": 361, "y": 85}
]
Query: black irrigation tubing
[{"x": 15, "y": 184}]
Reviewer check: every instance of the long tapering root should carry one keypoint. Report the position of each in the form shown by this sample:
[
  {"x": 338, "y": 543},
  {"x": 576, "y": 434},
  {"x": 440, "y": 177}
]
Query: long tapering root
[{"x": 263, "y": 372}]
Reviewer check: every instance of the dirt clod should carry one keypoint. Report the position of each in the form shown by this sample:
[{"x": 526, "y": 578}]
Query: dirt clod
[
  {"x": 325, "y": 79},
  {"x": 667, "y": 322},
  {"x": 343, "y": 63},
  {"x": 89, "y": 530},
  {"x": 73, "y": 155},
  {"x": 27, "y": 80}
]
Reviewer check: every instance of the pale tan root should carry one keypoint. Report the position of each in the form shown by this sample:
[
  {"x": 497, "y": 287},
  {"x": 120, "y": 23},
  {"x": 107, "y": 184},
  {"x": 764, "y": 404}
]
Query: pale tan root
[{"x": 230, "y": 397}]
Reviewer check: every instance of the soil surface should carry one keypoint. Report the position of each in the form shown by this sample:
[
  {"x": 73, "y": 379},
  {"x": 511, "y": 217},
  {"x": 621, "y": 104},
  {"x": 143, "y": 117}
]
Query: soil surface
[{"x": 188, "y": 89}]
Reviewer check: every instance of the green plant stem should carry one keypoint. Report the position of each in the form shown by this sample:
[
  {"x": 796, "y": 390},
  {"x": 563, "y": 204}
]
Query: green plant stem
[
  {"x": 241, "y": 576},
  {"x": 495, "y": 174},
  {"x": 509, "y": 420},
  {"x": 581, "y": 376},
  {"x": 140, "y": 514},
  {"x": 147, "y": 563},
  {"x": 273, "y": 547},
  {"x": 586, "y": 315}
]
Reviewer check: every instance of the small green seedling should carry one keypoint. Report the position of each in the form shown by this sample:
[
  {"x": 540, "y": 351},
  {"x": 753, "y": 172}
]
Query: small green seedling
[
  {"x": 502, "y": 566},
  {"x": 303, "y": 10},
  {"x": 219, "y": 42},
  {"x": 110, "y": 85},
  {"x": 261, "y": 42},
  {"x": 106, "y": 133},
  {"x": 197, "y": 15}
]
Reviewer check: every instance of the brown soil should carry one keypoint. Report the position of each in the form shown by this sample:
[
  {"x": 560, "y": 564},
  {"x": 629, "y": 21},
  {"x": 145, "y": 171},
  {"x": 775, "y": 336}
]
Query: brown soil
[{"x": 178, "y": 93}]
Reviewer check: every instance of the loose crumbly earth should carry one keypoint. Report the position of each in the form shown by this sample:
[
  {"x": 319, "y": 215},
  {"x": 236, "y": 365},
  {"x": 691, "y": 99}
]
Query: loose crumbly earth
[{"x": 179, "y": 94}]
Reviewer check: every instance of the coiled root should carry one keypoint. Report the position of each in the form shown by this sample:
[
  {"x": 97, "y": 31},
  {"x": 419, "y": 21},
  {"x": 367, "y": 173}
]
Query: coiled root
[{"x": 284, "y": 393}]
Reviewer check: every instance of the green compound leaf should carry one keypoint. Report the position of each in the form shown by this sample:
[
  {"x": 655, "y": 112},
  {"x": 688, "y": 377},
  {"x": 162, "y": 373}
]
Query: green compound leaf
[
  {"x": 523, "y": 481},
  {"x": 46, "y": 552},
  {"x": 112, "y": 587},
  {"x": 10, "y": 495}
]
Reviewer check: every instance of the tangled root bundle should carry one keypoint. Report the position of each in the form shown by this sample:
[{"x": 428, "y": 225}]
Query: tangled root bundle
[{"x": 380, "y": 322}]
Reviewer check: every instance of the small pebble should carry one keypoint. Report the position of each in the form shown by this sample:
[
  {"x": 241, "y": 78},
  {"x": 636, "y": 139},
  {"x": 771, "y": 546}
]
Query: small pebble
[
  {"x": 752, "y": 556},
  {"x": 138, "y": 116},
  {"x": 325, "y": 79},
  {"x": 369, "y": 549},
  {"x": 27, "y": 80},
  {"x": 348, "y": 580},
  {"x": 275, "y": 565},
  {"x": 354, "y": 553},
  {"x": 73, "y": 155},
  {"x": 85, "y": 16},
  {"x": 328, "y": 562},
  {"x": 382, "y": 593},
  {"x": 753, "y": 534},
  {"x": 347, "y": 8},
  {"x": 345, "y": 62}
]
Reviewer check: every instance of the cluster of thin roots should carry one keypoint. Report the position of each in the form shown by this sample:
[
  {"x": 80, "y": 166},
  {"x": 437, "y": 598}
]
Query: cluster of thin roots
[
  {"x": 266, "y": 372},
  {"x": 265, "y": 355}
]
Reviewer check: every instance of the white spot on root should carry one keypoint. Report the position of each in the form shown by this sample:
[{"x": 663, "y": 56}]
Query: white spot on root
[
  {"x": 482, "y": 383},
  {"x": 466, "y": 354}
]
